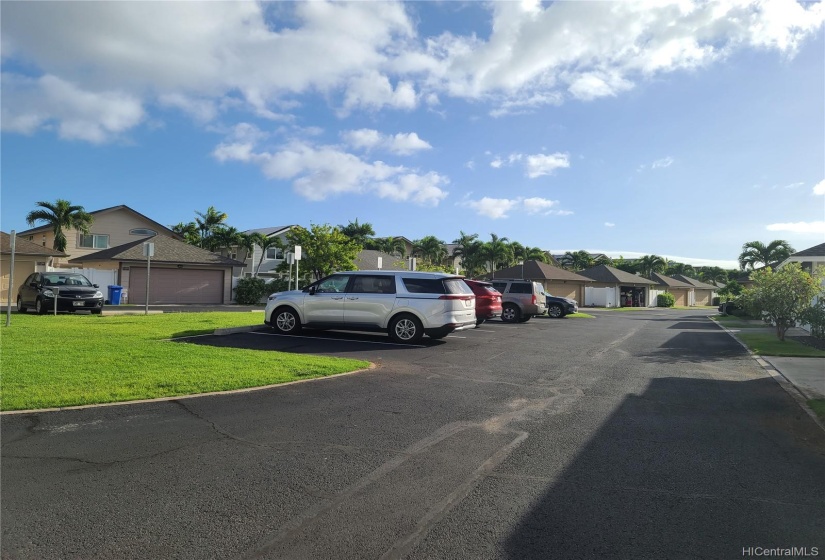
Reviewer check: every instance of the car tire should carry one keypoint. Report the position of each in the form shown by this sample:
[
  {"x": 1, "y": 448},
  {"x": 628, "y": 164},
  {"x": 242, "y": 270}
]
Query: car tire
[
  {"x": 285, "y": 320},
  {"x": 39, "y": 307},
  {"x": 406, "y": 329},
  {"x": 96, "y": 311},
  {"x": 20, "y": 307},
  {"x": 555, "y": 311},
  {"x": 510, "y": 314},
  {"x": 478, "y": 322},
  {"x": 525, "y": 318}
]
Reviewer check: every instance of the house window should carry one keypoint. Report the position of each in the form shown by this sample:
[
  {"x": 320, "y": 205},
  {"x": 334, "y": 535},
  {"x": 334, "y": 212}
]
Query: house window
[
  {"x": 274, "y": 253},
  {"x": 142, "y": 231},
  {"x": 93, "y": 241}
]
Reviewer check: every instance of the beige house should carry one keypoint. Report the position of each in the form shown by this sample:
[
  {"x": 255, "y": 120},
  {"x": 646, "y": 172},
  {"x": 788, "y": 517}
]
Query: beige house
[
  {"x": 556, "y": 281},
  {"x": 111, "y": 227},
  {"x": 682, "y": 292},
  {"x": 179, "y": 273},
  {"x": 703, "y": 293},
  {"x": 27, "y": 256},
  {"x": 612, "y": 287}
]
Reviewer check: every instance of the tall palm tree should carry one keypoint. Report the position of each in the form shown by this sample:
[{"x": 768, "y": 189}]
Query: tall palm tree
[
  {"x": 578, "y": 260},
  {"x": 265, "y": 242},
  {"x": 224, "y": 238},
  {"x": 468, "y": 247},
  {"x": 431, "y": 249},
  {"x": 649, "y": 264},
  {"x": 679, "y": 268},
  {"x": 360, "y": 233},
  {"x": 208, "y": 221},
  {"x": 391, "y": 245},
  {"x": 189, "y": 231},
  {"x": 247, "y": 241},
  {"x": 755, "y": 252},
  {"x": 496, "y": 251},
  {"x": 61, "y": 215},
  {"x": 535, "y": 254},
  {"x": 713, "y": 275}
]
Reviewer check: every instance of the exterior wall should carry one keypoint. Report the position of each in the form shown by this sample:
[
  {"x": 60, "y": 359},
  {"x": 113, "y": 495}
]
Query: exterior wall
[
  {"x": 572, "y": 290},
  {"x": 703, "y": 297},
  {"x": 268, "y": 266},
  {"x": 116, "y": 224},
  {"x": 601, "y": 295},
  {"x": 126, "y": 278},
  {"x": 23, "y": 266}
]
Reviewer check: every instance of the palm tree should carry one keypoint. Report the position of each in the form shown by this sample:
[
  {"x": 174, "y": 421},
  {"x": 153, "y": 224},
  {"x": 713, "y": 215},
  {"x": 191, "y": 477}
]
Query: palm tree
[
  {"x": 189, "y": 231},
  {"x": 360, "y": 233},
  {"x": 496, "y": 250},
  {"x": 247, "y": 241},
  {"x": 208, "y": 221},
  {"x": 469, "y": 248},
  {"x": 265, "y": 242},
  {"x": 391, "y": 245},
  {"x": 59, "y": 215},
  {"x": 713, "y": 275},
  {"x": 224, "y": 238},
  {"x": 755, "y": 252},
  {"x": 535, "y": 254},
  {"x": 578, "y": 260},
  {"x": 431, "y": 249},
  {"x": 679, "y": 268},
  {"x": 649, "y": 264}
]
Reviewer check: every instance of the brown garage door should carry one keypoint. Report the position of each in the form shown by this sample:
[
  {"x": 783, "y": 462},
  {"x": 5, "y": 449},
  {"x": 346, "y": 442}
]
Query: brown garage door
[
  {"x": 174, "y": 285},
  {"x": 680, "y": 296}
]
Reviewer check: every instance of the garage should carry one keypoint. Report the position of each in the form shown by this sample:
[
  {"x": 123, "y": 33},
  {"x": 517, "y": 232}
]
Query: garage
[
  {"x": 681, "y": 291},
  {"x": 173, "y": 285}
]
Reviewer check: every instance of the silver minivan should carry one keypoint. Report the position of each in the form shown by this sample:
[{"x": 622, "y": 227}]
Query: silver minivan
[
  {"x": 404, "y": 304},
  {"x": 520, "y": 300}
]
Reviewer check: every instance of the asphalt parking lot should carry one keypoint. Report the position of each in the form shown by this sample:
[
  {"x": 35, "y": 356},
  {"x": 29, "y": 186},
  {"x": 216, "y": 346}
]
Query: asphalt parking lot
[{"x": 632, "y": 435}]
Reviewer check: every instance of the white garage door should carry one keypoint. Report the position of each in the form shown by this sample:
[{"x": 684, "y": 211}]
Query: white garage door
[{"x": 174, "y": 285}]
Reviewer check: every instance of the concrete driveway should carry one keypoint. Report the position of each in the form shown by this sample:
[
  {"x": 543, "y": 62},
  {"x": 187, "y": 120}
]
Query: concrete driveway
[{"x": 626, "y": 436}]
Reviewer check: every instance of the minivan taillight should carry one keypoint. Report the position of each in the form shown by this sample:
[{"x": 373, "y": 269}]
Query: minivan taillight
[{"x": 534, "y": 299}]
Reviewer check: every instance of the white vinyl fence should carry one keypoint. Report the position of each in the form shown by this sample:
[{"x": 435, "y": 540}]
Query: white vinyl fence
[{"x": 102, "y": 278}]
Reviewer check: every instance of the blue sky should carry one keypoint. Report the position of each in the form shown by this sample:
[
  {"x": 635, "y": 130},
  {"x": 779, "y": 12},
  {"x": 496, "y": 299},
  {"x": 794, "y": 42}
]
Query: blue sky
[{"x": 682, "y": 130}]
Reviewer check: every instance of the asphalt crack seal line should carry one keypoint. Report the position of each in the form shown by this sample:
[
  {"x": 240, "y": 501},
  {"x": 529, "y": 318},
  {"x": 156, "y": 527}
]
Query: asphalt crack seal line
[{"x": 777, "y": 375}]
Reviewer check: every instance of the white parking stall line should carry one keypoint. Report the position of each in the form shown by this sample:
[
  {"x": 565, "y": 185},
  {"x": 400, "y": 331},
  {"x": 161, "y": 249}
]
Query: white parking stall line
[{"x": 342, "y": 340}]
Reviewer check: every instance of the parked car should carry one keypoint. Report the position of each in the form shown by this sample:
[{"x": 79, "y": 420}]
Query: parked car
[
  {"x": 488, "y": 300},
  {"x": 407, "y": 305},
  {"x": 730, "y": 307},
  {"x": 521, "y": 300},
  {"x": 74, "y": 292},
  {"x": 558, "y": 307}
]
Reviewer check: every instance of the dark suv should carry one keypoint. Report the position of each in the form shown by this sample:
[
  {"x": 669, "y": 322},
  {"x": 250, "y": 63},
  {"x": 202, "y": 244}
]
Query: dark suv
[{"x": 73, "y": 292}]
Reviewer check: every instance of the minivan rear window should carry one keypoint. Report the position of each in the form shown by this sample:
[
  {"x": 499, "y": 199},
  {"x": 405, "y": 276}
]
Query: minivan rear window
[
  {"x": 436, "y": 286},
  {"x": 521, "y": 288}
]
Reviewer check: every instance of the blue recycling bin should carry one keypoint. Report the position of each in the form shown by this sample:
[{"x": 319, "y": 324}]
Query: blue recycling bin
[{"x": 114, "y": 294}]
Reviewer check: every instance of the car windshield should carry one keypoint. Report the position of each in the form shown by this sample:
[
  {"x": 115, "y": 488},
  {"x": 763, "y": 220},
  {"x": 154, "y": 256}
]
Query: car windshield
[{"x": 65, "y": 280}]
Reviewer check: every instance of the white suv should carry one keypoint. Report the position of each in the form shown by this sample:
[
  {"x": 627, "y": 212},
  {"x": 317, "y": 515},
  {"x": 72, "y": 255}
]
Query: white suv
[{"x": 406, "y": 305}]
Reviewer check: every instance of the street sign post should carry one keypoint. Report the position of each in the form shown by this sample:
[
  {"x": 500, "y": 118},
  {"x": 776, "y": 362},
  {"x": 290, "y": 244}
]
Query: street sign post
[
  {"x": 297, "y": 258},
  {"x": 148, "y": 252}
]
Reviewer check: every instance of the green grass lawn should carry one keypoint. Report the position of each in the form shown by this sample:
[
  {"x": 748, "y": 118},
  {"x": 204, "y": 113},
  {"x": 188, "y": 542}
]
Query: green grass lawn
[
  {"x": 766, "y": 344},
  {"x": 72, "y": 360},
  {"x": 733, "y": 322},
  {"x": 580, "y": 315},
  {"x": 818, "y": 406}
]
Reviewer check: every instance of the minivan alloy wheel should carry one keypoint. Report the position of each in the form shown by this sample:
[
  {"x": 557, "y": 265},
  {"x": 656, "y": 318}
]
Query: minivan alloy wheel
[{"x": 406, "y": 329}]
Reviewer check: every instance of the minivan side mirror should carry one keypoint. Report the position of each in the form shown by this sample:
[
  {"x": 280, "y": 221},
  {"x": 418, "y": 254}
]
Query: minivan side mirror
[
  {"x": 95, "y": 286},
  {"x": 311, "y": 290}
]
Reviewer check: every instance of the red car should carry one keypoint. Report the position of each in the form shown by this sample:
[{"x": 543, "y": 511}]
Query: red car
[{"x": 488, "y": 300}]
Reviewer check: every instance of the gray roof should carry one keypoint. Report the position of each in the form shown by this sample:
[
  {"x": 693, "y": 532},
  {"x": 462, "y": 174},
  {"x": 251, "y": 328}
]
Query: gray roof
[
  {"x": 268, "y": 230},
  {"x": 537, "y": 270},
  {"x": 663, "y": 280},
  {"x": 815, "y": 251},
  {"x": 167, "y": 250},
  {"x": 26, "y": 247},
  {"x": 695, "y": 283},
  {"x": 368, "y": 260},
  {"x": 610, "y": 275}
]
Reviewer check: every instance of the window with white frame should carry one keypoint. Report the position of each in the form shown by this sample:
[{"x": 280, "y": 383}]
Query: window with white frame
[
  {"x": 274, "y": 253},
  {"x": 93, "y": 241}
]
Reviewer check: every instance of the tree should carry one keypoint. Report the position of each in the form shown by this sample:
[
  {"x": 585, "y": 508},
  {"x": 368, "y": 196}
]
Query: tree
[
  {"x": 469, "y": 248},
  {"x": 713, "y": 275},
  {"x": 264, "y": 242},
  {"x": 755, "y": 252},
  {"x": 360, "y": 233},
  {"x": 679, "y": 268},
  {"x": 496, "y": 251},
  {"x": 626, "y": 265},
  {"x": 324, "y": 249},
  {"x": 577, "y": 260},
  {"x": 431, "y": 249},
  {"x": 61, "y": 215},
  {"x": 207, "y": 222},
  {"x": 782, "y": 297},
  {"x": 649, "y": 264},
  {"x": 534, "y": 254},
  {"x": 189, "y": 231},
  {"x": 391, "y": 245},
  {"x": 224, "y": 238}
]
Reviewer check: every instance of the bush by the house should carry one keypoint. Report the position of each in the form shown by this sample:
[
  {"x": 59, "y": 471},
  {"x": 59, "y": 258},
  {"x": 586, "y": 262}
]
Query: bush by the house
[
  {"x": 251, "y": 290},
  {"x": 815, "y": 317},
  {"x": 665, "y": 300}
]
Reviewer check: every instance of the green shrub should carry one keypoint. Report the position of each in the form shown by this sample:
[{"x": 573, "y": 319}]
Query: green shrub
[
  {"x": 815, "y": 317},
  {"x": 665, "y": 300},
  {"x": 250, "y": 290}
]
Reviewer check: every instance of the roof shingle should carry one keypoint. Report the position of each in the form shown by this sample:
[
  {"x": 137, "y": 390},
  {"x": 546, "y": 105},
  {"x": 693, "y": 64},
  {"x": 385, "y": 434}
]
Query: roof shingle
[
  {"x": 609, "y": 275},
  {"x": 25, "y": 247},
  {"x": 167, "y": 250}
]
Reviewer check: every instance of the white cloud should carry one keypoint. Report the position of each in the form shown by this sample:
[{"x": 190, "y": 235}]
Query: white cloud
[
  {"x": 497, "y": 208},
  {"x": 535, "y": 165},
  {"x": 819, "y": 188},
  {"x": 318, "y": 172},
  {"x": 798, "y": 227},
  {"x": 658, "y": 164},
  {"x": 609, "y": 224},
  {"x": 365, "y": 55},
  {"x": 401, "y": 143},
  {"x": 693, "y": 261}
]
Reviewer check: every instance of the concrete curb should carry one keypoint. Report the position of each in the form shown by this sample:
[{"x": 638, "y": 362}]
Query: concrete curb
[
  {"x": 233, "y": 330},
  {"x": 795, "y": 392}
]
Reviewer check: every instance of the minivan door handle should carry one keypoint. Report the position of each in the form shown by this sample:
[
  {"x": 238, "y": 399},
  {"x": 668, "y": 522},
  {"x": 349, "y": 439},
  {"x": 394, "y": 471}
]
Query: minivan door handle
[
  {"x": 352, "y": 298},
  {"x": 342, "y": 297}
]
